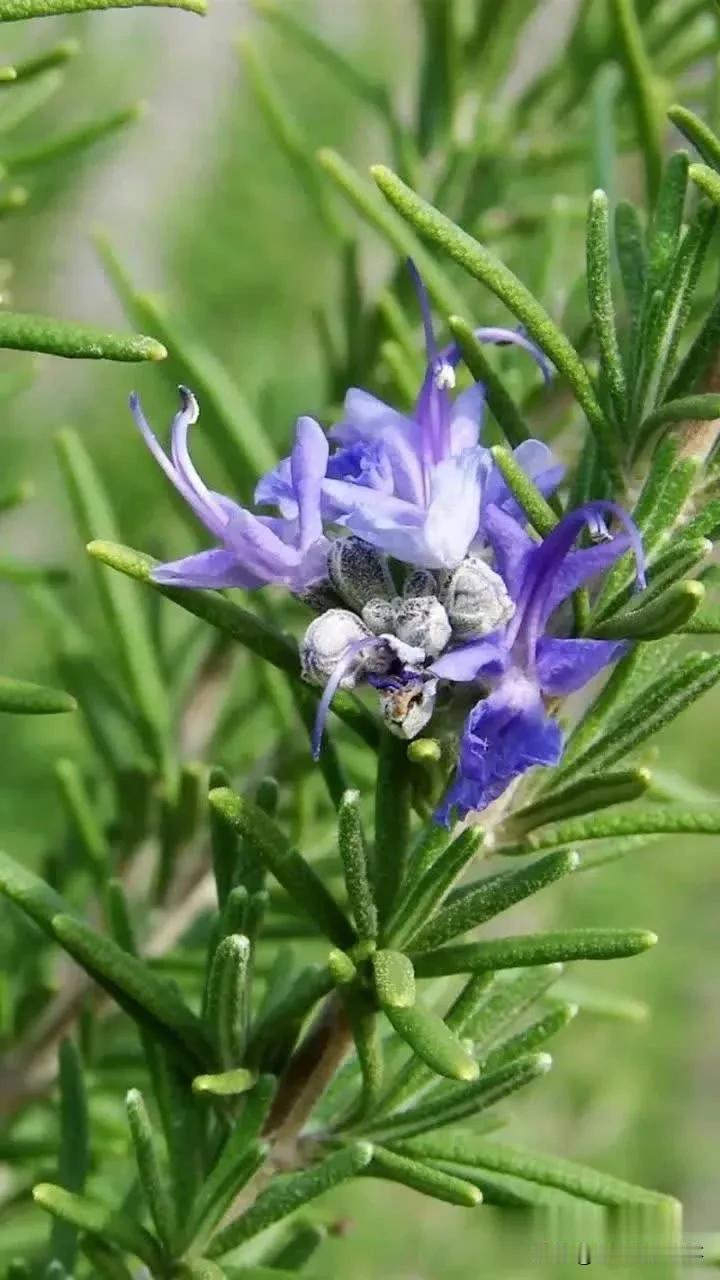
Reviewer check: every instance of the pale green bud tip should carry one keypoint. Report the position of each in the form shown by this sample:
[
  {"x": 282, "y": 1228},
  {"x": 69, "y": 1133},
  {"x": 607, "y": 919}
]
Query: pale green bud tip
[
  {"x": 350, "y": 798},
  {"x": 363, "y": 1151},
  {"x": 7, "y": 75},
  {"x": 573, "y": 861},
  {"x": 648, "y": 938},
  {"x": 543, "y": 1062},
  {"x": 469, "y": 1070},
  {"x": 572, "y": 1010},
  {"x": 424, "y": 751},
  {"x": 133, "y": 1099}
]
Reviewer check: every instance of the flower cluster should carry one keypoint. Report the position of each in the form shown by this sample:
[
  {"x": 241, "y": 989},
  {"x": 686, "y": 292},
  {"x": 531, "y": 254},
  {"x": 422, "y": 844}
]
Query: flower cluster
[{"x": 403, "y": 536}]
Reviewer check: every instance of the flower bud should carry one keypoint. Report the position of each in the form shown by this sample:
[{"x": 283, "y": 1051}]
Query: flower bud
[
  {"x": 421, "y": 582},
  {"x": 358, "y": 572},
  {"x": 326, "y": 643},
  {"x": 408, "y": 708},
  {"x": 379, "y": 615},
  {"x": 476, "y": 599},
  {"x": 422, "y": 622}
]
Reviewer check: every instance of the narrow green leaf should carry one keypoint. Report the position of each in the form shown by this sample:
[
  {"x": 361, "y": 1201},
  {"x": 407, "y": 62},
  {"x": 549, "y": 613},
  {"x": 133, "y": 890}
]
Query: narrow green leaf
[
  {"x": 74, "y": 1154},
  {"x": 133, "y": 984},
  {"x": 227, "y": 1000},
  {"x": 283, "y": 125},
  {"x": 630, "y": 250},
  {"x": 444, "y": 294},
  {"x": 505, "y": 1001},
  {"x": 46, "y": 61},
  {"x": 19, "y": 697},
  {"x": 289, "y": 1192},
  {"x": 484, "y": 266},
  {"x": 439, "y": 72},
  {"x": 14, "y": 10},
  {"x": 67, "y": 145},
  {"x": 108, "y": 1224},
  {"x": 107, "y": 1262},
  {"x": 228, "y": 1084},
  {"x": 530, "y": 1038},
  {"x": 588, "y": 796},
  {"x": 499, "y": 401},
  {"x": 240, "y": 1158},
  {"x": 655, "y": 706},
  {"x": 666, "y": 226},
  {"x": 228, "y": 420},
  {"x": 602, "y": 307},
  {"x": 394, "y": 979},
  {"x": 424, "y": 895},
  {"x": 122, "y": 606},
  {"x": 359, "y": 84},
  {"x": 539, "y": 512},
  {"x": 283, "y": 1017},
  {"x": 421, "y": 1177},
  {"x": 529, "y": 949},
  {"x": 654, "y": 821},
  {"x": 479, "y": 902},
  {"x": 82, "y": 816},
  {"x": 354, "y": 857},
  {"x": 697, "y": 132},
  {"x": 671, "y": 611},
  {"x": 552, "y": 1171},
  {"x": 642, "y": 89},
  {"x": 362, "y": 1016},
  {"x": 462, "y": 1103},
  {"x": 433, "y": 1041},
  {"x": 61, "y": 338},
  {"x": 245, "y": 627},
  {"x": 703, "y": 407},
  {"x": 151, "y": 1177},
  {"x": 291, "y": 870},
  {"x": 393, "y": 789},
  {"x": 303, "y": 1241},
  {"x": 704, "y": 623}
]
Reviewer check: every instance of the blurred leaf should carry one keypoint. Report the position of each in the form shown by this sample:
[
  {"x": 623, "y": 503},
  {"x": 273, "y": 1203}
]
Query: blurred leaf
[
  {"x": 71, "y": 144},
  {"x": 109, "y": 1225},
  {"x": 14, "y": 10},
  {"x": 74, "y": 1156},
  {"x": 527, "y": 949},
  {"x": 19, "y": 697},
  {"x": 61, "y": 338},
  {"x": 288, "y": 1193}
]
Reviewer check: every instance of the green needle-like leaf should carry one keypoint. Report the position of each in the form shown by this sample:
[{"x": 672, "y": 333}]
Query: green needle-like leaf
[
  {"x": 484, "y": 266},
  {"x": 131, "y": 983},
  {"x": 698, "y": 133},
  {"x": 19, "y": 697},
  {"x": 671, "y": 611},
  {"x": 421, "y": 1177},
  {"x": 288, "y": 1193},
  {"x": 394, "y": 980},
  {"x": 304, "y": 1239},
  {"x": 83, "y": 818},
  {"x": 245, "y": 627},
  {"x": 552, "y": 1171},
  {"x": 657, "y": 704},
  {"x": 707, "y": 180},
  {"x": 107, "y": 1224},
  {"x": 393, "y": 791},
  {"x": 228, "y": 1084},
  {"x": 462, "y": 1103},
  {"x": 539, "y": 512},
  {"x": 15, "y": 10},
  {"x": 479, "y": 902},
  {"x": 61, "y": 338},
  {"x": 151, "y": 1177},
  {"x": 602, "y": 308},
  {"x": 530, "y": 1038},
  {"x": 291, "y": 870},
  {"x": 540, "y": 948},
  {"x": 655, "y": 821},
  {"x": 499, "y": 401},
  {"x": 123, "y": 607},
  {"x": 354, "y": 857},
  {"x": 74, "y": 1155},
  {"x": 227, "y": 1000},
  {"x": 68, "y": 145},
  {"x": 433, "y": 1041},
  {"x": 642, "y": 88},
  {"x": 588, "y": 796},
  {"x": 424, "y": 895}
]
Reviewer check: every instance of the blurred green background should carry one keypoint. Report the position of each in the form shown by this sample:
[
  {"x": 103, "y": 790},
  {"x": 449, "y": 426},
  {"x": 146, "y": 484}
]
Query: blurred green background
[{"x": 202, "y": 208}]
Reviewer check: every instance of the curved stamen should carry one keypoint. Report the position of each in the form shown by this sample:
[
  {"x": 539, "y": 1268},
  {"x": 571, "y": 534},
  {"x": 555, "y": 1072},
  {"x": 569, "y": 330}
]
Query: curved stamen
[
  {"x": 549, "y": 556},
  {"x": 204, "y": 511},
  {"x": 341, "y": 670},
  {"x": 424, "y": 301},
  {"x": 186, "y": 418},
  {"x": 502, "y": 337}
]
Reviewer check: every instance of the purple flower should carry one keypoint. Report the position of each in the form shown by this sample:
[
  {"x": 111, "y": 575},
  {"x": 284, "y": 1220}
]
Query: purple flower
[
  {"x": 510, "y": 731},
  {"x": 254, "y": 550},
  {"x": 416, "y": 487}
]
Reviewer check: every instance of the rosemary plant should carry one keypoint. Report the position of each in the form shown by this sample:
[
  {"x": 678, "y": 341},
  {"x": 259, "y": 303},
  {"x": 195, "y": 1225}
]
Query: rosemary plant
[{"x": 471, "y": 596}]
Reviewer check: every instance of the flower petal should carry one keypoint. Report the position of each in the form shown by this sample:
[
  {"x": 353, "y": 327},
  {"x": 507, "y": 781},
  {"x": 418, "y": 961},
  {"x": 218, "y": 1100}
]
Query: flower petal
[
  {"x": 466, "y": 418},
  {"x": 563, "y": 666},
  {"x": 481, "y": 658},
  {"x": 512, "y": 547},
  {"x": 453, "y": 512},
  {"x": 308, "y": 464},
  {"x": 214, "y": 569}
]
